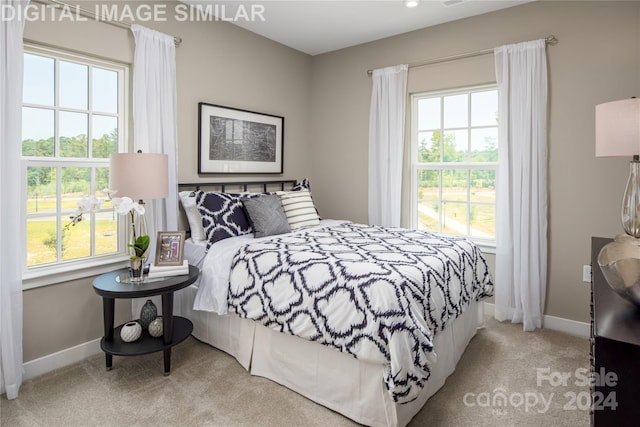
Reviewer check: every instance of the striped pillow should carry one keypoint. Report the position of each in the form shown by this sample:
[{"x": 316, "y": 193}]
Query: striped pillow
[{"x": 299, "y": 209}]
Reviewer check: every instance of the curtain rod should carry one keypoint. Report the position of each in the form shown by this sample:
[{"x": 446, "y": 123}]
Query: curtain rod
[
  {"x": 549, "y": 40},
  {"x": 90, "y": 14}
]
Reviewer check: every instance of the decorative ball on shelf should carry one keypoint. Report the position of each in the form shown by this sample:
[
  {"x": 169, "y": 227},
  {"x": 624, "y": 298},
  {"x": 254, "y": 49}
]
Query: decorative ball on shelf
[
  {"x": 155, "y": 327},
  {"x": 148, "y": 312},
  {"x": 130, "y": 331}
]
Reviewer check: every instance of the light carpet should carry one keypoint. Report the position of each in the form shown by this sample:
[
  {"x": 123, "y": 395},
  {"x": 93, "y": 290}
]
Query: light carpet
[{"x": 506, "y": 377}]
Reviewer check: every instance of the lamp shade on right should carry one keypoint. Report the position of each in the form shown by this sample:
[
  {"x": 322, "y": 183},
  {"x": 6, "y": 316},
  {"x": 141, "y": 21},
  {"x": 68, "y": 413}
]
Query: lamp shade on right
[{"x": 618, "y": 128}]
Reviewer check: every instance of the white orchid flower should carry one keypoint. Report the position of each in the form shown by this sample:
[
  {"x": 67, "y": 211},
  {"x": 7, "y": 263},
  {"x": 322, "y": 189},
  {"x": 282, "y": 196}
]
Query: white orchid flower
[
  {"x": 89, "y": 204},
  {"x": 124, "y": 205},
  {"x": 139, "y": 208},
  {"x": 83, "y": 206},
  {"x": 95, "y": 204},
  {"x": 109, "y": 193}
]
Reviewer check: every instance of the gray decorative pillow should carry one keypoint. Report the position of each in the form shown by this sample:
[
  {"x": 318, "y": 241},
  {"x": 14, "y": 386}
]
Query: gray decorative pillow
[{"x": 266, "y": 215}]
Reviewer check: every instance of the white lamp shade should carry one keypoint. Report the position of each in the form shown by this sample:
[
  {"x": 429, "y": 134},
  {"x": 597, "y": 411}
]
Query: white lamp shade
[
  {"x": 140, "y": 176},
  {"x": 618, "y": 128}
]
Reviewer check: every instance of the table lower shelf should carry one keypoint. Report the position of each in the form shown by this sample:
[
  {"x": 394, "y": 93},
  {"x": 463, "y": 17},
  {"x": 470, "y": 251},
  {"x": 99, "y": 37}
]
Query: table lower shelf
[{"x": 146, "y": 344}]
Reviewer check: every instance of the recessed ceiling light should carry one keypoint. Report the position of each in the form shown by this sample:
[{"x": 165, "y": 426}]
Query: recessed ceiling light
[{"x": 411, "y": 3}]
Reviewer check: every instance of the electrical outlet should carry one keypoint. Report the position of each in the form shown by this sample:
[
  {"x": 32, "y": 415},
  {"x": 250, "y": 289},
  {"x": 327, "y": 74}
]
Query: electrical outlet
[{"x": 586, "y": 273}]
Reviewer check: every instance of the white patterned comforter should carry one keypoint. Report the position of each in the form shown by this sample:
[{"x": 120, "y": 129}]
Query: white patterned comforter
[
  {"x": 213, "y": 284},
  {"x": 378, "y": 294}
]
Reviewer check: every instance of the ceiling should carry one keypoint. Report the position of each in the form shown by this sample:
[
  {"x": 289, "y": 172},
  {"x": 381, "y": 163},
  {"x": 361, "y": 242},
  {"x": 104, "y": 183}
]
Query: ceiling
[{"x": 320, "y": 26}]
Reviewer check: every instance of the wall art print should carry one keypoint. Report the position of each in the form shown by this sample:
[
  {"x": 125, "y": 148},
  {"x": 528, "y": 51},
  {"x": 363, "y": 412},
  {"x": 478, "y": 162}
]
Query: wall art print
[{"x": 231, "y": 140}]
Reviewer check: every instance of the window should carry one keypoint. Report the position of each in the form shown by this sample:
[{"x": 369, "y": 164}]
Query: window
[
  {"x": 455, "y": 157},
  {"x": 73, "y": 118}
]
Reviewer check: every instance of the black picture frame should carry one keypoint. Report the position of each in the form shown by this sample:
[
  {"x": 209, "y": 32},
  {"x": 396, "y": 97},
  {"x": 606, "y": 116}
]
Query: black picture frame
[
  {"x": 170, "y": 248},
  {"x": 235, "y": 141}
]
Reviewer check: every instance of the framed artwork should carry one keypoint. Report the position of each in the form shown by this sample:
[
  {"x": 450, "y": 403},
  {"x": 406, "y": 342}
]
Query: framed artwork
[
  {"x": 170, "y": 248},
  {"x": 238, "y": 141}
]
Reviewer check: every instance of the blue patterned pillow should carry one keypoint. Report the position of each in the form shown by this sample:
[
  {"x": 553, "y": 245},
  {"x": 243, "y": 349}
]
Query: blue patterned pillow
[
  {"x": 305, "y": 184},
  {"x": 223, "y": 215}
]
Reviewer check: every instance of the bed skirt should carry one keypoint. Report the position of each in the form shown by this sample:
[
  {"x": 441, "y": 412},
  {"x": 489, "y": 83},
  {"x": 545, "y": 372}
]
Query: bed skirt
[{"x": 337, "y": 381}]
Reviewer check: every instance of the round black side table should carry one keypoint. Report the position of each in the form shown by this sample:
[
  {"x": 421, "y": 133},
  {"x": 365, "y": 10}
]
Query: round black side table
[{"x": 176, "y": 329}]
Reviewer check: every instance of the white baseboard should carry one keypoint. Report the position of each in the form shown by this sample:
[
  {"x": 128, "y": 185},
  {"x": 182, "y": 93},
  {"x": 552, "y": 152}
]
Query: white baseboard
[
  {"x": 60, "y": 359},
  {"x": 568, "y": 326}
]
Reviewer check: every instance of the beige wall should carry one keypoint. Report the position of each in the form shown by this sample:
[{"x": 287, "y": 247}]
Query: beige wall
[
  {"x": 596, "y": 60},
  {"x": 217, "y": 63},
  {"x": 325, "y": 100}
]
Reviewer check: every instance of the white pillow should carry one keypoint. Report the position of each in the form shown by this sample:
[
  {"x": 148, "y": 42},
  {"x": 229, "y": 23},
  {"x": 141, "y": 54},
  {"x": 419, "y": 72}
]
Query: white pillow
[
  {"x": 188, "y": 200},
  {"x": 299, "y": 209}
]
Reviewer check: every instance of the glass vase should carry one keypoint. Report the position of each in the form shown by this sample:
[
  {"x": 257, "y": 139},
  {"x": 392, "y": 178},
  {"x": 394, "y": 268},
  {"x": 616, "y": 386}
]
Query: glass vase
[{"x": 136, "y": 269}]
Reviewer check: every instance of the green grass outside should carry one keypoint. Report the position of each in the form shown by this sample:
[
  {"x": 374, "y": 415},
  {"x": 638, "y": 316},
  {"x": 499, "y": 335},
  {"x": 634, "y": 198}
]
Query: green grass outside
[
  {"x": 482, "y": 215},
  {"x": 484, "y": 220},
  {"x": 76, "y": 240},
  {"x": 41, "y": 232}
]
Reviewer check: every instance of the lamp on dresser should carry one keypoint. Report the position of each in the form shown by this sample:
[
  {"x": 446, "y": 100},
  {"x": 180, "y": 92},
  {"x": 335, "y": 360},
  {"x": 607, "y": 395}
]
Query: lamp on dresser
[{"x": 618, "y": 134}]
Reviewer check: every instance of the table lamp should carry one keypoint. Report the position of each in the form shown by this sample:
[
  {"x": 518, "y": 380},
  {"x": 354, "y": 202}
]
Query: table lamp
[
  {"x": 139, "y": 176},
  {"x": 618, "y": 134}
]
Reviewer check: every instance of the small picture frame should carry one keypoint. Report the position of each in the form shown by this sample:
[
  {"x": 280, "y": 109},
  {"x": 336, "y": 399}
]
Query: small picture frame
[{"x": 170, "y": 248}]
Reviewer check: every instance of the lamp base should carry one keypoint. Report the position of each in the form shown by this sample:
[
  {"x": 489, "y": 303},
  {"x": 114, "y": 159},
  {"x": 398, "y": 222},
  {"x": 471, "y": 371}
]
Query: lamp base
[
  {"x": 631, "y": 200},
  {"x": 620, "y": 264}
]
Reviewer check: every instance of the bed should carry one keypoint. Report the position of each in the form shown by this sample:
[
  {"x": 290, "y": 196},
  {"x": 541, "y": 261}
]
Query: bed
[{"x": 366, "y": 321}]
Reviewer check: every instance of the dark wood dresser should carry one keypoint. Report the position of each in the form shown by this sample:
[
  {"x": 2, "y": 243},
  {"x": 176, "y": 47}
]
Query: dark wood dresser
[{"x": 615, "y": 351}]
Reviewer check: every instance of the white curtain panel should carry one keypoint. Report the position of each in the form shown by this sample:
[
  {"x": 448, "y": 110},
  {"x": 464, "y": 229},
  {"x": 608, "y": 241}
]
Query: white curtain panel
[
  {"x": 521, "y": 216},
  {"x": 11, "y": 243},
  {"x": 386, "y": 143},
  {"x": 155, "y": 122}
]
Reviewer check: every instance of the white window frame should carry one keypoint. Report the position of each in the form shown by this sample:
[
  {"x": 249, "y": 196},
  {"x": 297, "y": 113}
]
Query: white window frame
[
  {"x": 48, "y": 274},
  {"x": 485, "y": 244}
]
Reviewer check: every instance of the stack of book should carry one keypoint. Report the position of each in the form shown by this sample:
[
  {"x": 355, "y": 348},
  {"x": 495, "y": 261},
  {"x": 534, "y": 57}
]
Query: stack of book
[{"x": 168, "y": 270}]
